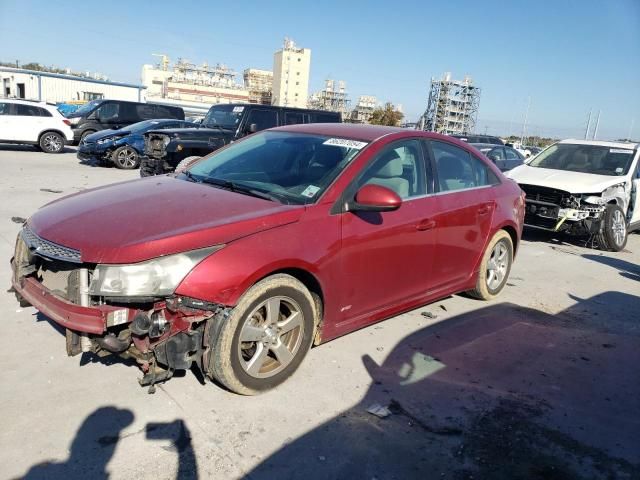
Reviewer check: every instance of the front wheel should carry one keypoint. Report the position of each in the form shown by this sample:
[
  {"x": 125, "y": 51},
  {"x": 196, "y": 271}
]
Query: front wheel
[
  {"x": 613, "y": 234},
  {"x": 495, "y": 267},
  {"x": 51, "y": 142},
  {"x": 125, "y": 158},
  {"x": 265, "y": 338}
]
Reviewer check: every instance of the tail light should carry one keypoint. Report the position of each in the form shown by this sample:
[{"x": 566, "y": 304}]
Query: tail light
[{"x": 67, "y": 122}]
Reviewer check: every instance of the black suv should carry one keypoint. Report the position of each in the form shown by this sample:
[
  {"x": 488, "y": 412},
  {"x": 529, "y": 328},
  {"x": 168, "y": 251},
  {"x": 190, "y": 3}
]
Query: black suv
[{"x": 165, "y": 149}]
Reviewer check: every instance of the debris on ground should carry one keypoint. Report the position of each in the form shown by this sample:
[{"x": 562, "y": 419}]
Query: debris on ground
[
  {"x": 18, "y": 219},
  {"x": 50, "y": 190},
  {"x": 379, "y": 411},
  {"x": 429, "y": 315},
  {"x": 443, "y": 307}
]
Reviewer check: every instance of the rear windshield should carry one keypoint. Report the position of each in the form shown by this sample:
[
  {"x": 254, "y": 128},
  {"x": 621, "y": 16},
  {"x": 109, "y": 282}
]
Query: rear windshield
[{"x": 595, "y": 159}]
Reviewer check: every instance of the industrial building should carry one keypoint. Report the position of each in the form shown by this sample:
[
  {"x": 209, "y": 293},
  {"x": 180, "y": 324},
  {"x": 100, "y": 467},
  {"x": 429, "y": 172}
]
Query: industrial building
[
  {"x": 291, "y": 67},
  {"x": 192, "y": 87},
  {"x": 61, "y": 88},
  {"x": 363, "y": 110},
  {"x": 259, "y": 83},
  {"x": 452, "y": 107},
  {"x": 333, "y": 98}
]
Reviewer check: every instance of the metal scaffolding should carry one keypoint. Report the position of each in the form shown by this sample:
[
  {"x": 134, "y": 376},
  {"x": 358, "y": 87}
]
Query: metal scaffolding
[
  {"x": 331, "y": 98},
  {"x": 364, "y": 109},
  {"x": 452, "y": 107}
]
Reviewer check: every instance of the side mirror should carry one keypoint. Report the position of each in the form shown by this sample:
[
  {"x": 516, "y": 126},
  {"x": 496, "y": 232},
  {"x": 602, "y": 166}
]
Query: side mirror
[
  {"x": 375, "y": 198},
  {"x": 253, "y": 128}
]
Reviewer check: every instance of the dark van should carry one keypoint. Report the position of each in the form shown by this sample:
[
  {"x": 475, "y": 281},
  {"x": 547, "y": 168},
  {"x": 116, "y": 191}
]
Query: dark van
[{"x": 113, "y": 114}]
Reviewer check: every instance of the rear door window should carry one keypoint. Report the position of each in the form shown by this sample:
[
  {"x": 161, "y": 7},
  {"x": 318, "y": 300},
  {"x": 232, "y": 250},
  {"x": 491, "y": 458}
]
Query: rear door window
[
  {"x": 457, "y": 169},
  {"x": 27, "y": 110},
  {"x": 263, "y": 119},
  {"x": 294, "y": 118},
  {"x": 5, "y": 108}
]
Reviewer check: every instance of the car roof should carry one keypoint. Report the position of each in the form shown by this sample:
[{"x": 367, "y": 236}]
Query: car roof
[
  {"x": 598, "y": 143},
  {"x": 486, "y": 145},
  {"x": 367, "y": 133}
]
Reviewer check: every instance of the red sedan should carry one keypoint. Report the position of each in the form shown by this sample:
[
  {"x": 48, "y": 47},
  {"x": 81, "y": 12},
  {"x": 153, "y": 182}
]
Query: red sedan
[{"x": 288, "y": 238}]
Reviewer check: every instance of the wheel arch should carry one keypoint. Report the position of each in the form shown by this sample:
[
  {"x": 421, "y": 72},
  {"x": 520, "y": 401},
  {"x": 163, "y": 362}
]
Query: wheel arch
[{"x": 52, "y": 130}]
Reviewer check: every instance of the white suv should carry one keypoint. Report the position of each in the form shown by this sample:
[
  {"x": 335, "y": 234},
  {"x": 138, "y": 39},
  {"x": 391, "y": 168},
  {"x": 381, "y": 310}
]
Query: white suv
[
  {"x": 584, "y": 187},
  {"x": 36, "y": 123}
]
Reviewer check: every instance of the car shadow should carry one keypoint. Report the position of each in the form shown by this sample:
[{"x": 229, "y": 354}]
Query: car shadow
[
  {"x": 95, "y": 442},
  {"x": 626, "y": 269},
  {"x": 503, "y": 392},
  {"x": 10, "y": 147}
]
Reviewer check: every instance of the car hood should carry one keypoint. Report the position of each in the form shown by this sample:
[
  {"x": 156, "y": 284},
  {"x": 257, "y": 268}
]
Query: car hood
[
  {"x": 107, "y": 133},
  {"x": 572, "y": 182},
  {"x": 146, "y": 218}
]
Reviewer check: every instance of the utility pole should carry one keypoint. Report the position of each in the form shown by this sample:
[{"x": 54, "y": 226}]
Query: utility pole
[
  {"x": 586, "y": 131},
  {"x": 524, "y": 124},
  {"x": 595, "y": 131}
]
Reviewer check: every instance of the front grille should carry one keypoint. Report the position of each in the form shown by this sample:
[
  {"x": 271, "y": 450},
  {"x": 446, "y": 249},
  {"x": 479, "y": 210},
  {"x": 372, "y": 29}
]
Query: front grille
[
  {"x": 542, "y": 222},
  {"x": 536, "y": 193},
  {"x": 45, "y": 248}
]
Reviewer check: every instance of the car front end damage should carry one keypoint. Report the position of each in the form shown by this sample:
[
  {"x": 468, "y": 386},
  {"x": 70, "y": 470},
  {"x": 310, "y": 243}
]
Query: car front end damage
[
  {"x": 574, "y": 213},
  {"x": 163, "y": 332}
]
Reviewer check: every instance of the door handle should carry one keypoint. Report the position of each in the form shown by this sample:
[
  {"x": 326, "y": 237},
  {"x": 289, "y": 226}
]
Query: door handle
[
  {"x": 425, "y": 225},
  {"x": 483, "y": 210}
]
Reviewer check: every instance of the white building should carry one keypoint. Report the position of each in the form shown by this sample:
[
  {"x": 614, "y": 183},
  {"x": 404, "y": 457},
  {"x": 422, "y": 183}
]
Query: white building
[
  {"x": 291, "y": 75},
  {"x": 56, "y": 87}
]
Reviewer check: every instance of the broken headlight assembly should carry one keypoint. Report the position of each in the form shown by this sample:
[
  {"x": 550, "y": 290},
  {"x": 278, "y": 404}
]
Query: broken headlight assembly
[
  {"x": 606, "y": 195},
  {"x": 156, "y": 277},
  {"x": 102, "y": 141}
]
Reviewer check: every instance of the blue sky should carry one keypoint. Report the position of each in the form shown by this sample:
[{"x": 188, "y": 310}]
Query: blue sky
[{"x": 568, "y": 56}]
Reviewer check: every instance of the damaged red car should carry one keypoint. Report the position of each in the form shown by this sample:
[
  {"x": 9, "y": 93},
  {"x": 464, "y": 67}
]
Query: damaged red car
[{"x": 243, "y": 260}]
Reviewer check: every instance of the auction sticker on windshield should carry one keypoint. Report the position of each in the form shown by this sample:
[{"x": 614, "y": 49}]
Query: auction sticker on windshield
[
  {"x": 238, "y": 109},
  {"x": 343, "y": 142},
  {"x": 310, "y": 191}
]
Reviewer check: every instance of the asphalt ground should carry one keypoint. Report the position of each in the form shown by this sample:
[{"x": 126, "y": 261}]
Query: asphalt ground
[{"x": 542, "y": 383}]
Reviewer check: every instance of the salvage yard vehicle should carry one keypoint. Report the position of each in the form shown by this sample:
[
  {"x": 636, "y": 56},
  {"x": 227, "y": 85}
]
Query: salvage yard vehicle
[
  {"x": 287, "y": 238},
  {"x": 100, "y": 115},
  {"x": 34, "y": 123},
  {"x": 223, "y": 124},
  {"x": 124, "y": 146},
  {"x": 504, "y": 157},
  {"x": 584, "y": 187}
]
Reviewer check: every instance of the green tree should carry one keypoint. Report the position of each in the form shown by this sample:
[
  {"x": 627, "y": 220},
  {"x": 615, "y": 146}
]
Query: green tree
[{"x": 387, "y": 115}]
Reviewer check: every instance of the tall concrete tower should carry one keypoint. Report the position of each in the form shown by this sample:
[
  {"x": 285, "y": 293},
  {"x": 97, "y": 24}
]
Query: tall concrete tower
[{"x": 291, "y": 67}]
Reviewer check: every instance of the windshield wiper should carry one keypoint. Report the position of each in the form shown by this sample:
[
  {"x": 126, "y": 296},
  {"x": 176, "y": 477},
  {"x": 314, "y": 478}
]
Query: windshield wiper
[{"x": 239, "y": 188}]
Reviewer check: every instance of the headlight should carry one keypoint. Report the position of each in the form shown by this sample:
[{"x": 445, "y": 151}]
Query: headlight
[
  {"x": 107, "y": 140},
  {"x": 156, "y": 277}
]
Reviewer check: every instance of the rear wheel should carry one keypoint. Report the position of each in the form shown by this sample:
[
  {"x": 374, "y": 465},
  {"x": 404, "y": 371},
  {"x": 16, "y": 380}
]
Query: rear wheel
[
  {"x": 495, "y": 267},
  {"x": 613, "y": 235},
  {"x": 125, "y": 158},
  {"x": 51, "y": 142},
  {"x": 265, "y": 338}
]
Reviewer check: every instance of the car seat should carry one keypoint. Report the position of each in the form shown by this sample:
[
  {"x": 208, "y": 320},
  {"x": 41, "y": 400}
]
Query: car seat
[
  {"x": 451, "y": 174},
  {"x": 389, "y": 175}
]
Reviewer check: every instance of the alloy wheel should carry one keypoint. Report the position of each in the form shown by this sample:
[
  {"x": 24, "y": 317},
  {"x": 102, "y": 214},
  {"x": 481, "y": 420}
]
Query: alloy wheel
[
  {"x": 127, "y": 158},
  {"x": 52, "y": 143},
  {"x": 271, "y": 337},
  {"x": 618, "y": 227},
  {"x": 497, "y": 266}
]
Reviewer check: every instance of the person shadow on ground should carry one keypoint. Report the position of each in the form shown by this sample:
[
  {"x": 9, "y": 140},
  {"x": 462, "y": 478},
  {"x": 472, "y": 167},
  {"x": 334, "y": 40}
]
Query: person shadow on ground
[{"x": 91, "y": 450}]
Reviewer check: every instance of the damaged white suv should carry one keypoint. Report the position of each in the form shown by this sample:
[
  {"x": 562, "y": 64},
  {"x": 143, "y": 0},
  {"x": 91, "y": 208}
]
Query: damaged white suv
[{"x": 584, "y": 187}]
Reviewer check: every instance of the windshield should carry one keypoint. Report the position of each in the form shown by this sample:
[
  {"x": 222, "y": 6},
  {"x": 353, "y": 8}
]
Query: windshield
[
  {"x": 86, "y": 108},
  {"x": 225, "y": 116},
  {"x": 292, "y": 168},
  {"x": 595, "y": 159}
]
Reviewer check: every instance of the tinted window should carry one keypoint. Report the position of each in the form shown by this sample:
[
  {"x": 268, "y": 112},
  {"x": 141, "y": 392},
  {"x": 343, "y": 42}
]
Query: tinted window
[
  {"x": 512, "y": 154},
  {"x": 146, "y": 112},
  {"x": 29, "y": 111},
  {"x": 323, "y": 118},
  {"x": 293, "y": 118},
  {"x": 109, "y": 112},
  {"x": 399, "y": 168},
  {"x": 166, "y": 112},
  {"x": 5, "y": 108},
  {"x": 459, "y": 170},
  {"x": 263, "y": 119}
]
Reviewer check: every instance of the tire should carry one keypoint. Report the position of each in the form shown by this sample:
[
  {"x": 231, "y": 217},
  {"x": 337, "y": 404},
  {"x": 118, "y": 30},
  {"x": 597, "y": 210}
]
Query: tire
[
  {"x": 51, "y": 142},
  {"x": 186, "y": 161},
  {"x": 125, "y": 158},
  {"x": 613, "y": 235},
  {"x": 492, "y": 277},
  {"x": 148, "y": 167},
  {"x": 259, "y": 362},
  {"x": 85, "y": 134}
]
